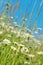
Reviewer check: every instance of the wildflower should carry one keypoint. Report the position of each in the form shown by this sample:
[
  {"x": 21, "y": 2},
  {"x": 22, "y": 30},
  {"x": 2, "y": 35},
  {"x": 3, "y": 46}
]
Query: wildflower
[
  {"x": 13, "y": 48},
  {"x": 31, "y": 55},
  {"x": 11, "y": 27},
  {"x": 1, "y": 32},
  {"x": 21, "y": 45},
  {"x": 27, "y": 50},
  {"x": 15, "y": 23},
  {"x": 26, "y": 34},
  {"x": 22, "y": 34},
  {"x": 40, "y": 53},
  {"x": 6, "y": 41},
  {"x": 26, "y": 62},
  {"x": 24, "y": 49},
  {"x": 13, "y": 31},
  {"x": 39, "y": 43},
  {"x": 29, "y": 35},
  {"x": 16, "y": 43},
  {"x": 18, "y": 50}
]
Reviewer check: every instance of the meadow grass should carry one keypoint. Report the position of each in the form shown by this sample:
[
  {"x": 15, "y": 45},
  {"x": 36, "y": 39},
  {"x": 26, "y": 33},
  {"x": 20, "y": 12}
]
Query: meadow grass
[{"x": 16, "y": 49}]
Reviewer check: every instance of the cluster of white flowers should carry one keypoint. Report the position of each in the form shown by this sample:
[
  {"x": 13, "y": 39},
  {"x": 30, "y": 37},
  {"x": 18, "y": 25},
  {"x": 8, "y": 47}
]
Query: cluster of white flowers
[
  {"x": 23, "y": 48},
  {"x": 11, "y": 27},
  {"x": 13, "y": 48},
  {"x": 16, "y": 43},
  {"x": 21, "y": 45},
  {"x": 40, "y": 53},
  {"x": 13, "y": 31},
  {"x": 31, "y": 55},
  {"x": 6, "y": 41}
]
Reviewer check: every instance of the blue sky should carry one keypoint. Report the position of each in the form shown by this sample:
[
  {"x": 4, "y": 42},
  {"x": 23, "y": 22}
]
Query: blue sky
[{"x": 32, "y": 7}]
